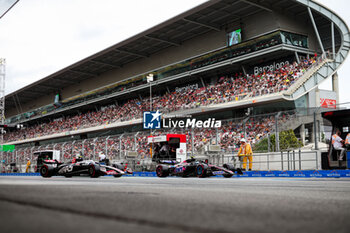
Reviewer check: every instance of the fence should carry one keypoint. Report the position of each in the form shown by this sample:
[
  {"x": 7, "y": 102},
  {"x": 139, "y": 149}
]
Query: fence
[
  {"x": 260, "y": 130},
  {"x": 286, "y": 161}
]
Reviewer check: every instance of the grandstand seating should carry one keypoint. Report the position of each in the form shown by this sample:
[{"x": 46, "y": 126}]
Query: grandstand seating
[
  {"x": 228, "y": 88},
  {"x": 192, "y": 64},
  {"x": 116, "y": 147}
]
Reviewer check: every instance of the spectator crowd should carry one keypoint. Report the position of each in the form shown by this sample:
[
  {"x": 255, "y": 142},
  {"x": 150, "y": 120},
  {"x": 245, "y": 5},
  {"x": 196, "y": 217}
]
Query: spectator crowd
[
  {"x": 116, "y": 147},
  {"x": 226, "y": 89}
]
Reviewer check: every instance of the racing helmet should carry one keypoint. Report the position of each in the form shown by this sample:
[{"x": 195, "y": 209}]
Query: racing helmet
[
  {"x": 79, "y": 158},
  {"x": 243, "y": 140}
]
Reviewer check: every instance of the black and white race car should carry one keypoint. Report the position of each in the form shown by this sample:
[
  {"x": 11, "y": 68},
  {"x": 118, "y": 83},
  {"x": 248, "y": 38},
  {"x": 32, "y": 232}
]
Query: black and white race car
[
  {"x": 194, "y": 168},
  {"x": 89, "y": 167}
]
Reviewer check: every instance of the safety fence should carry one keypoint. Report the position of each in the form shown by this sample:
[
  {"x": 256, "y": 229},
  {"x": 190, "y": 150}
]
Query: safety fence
[
  {"x": 284, "y": 161},
  {"x": 259, "y": 130}
]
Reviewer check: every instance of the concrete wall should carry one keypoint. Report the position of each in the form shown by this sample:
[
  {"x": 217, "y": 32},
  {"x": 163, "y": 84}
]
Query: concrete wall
[{"x": 258, "y": 24}]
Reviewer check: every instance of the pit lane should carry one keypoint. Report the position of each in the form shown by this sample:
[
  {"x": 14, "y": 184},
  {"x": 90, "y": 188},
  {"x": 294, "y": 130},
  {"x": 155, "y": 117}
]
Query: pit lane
[{"x": 136, "y": 204}]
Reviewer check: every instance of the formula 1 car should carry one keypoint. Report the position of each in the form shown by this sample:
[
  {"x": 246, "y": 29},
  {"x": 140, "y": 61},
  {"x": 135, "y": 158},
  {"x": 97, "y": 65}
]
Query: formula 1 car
[
  {"x": 89, "y": 167},
  {"x": 194, "y": 168}
]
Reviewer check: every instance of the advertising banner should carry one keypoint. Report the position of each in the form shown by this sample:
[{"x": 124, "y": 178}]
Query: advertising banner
[{"x": 328, "y": 99}]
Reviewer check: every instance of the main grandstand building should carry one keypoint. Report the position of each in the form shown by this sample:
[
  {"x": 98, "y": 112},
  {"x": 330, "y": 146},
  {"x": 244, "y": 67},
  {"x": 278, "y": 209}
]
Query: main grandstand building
[{"x": 223, "y": 59}]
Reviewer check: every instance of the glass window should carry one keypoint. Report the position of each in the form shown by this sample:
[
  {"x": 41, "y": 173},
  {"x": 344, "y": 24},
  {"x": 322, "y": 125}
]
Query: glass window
[{"x": 294, "y": 39}]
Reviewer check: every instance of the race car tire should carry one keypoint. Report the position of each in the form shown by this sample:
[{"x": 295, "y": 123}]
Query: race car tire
[
  {"x": 46, "y": 171},
  {"x": 201, "y": 170},
  {"x": 118, "y": 175},
  {"x": 162, "y": 171},
  {"x": 232, "y": 168},
  {"x": 239, "y": 171},
  {"x": 68, "y": 176},
  {"x": 227, "y": 175},
  {"x": 94, "y": 171}
]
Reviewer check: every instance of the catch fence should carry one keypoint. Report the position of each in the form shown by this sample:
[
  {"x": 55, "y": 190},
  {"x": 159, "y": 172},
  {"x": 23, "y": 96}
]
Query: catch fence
[{"x": 260, "y": 130}]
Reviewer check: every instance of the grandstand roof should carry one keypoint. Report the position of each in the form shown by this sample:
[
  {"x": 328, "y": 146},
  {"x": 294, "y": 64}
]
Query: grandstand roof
[
  {"x": 5, "y": 7},
  {"x": 212, "y": 15}
]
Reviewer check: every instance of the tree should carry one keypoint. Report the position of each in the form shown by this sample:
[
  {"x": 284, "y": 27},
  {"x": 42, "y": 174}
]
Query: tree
[{"x": 287, "y": 139}]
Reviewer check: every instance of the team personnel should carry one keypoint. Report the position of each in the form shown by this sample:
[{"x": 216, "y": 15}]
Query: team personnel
[
  {"x": 245, "y": 152},
  {"x": 164, "y": 150},
  {"x": 337, "y": 143},
  {"x": 347, "y": 141},
  {"x": 102, "y": 157},
  {"x": 28, "y": 165}
]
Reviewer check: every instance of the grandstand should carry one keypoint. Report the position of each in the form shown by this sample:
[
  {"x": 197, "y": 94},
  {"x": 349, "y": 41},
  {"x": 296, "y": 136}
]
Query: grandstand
[
  {"x": 228, "y": 59},
  {"x": 6, "y": 6}
]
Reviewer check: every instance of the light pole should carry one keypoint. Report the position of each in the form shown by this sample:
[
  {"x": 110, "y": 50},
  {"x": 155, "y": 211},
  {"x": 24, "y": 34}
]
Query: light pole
[{"x": 150, "y": 80}]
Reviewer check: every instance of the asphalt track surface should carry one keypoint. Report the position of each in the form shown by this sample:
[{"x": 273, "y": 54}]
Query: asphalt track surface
[{"x": 136, "y": 204}]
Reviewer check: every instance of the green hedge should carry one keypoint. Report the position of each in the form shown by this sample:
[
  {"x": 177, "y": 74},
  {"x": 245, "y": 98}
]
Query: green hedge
[{"x": 288, "y": 140}]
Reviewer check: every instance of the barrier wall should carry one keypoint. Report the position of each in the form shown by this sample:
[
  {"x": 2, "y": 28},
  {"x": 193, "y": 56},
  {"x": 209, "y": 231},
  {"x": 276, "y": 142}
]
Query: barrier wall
[{"x": 266, "y": 174}]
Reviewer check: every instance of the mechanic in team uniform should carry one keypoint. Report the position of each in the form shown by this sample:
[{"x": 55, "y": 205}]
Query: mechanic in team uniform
[
  {"x": 245, "y": 152},
  {"x": 164, "y": 150},
  {"x": 347, "y": 141},
  {"x": 103, "y": 159},
  {"x": 337, "y": 143}
]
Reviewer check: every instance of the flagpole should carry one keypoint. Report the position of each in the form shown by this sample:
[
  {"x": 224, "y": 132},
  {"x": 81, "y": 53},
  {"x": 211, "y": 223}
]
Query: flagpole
[{"x": 150, "y": 80}]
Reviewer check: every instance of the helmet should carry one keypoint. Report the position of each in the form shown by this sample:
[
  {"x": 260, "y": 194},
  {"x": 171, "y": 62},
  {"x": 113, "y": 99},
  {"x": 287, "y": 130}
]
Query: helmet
[
  {"x": 79, "y": 158},
  {"x": 243, "y": 140}
]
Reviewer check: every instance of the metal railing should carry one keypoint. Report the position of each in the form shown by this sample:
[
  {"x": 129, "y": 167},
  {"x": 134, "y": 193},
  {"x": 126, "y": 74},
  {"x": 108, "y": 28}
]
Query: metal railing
[
  {"x": 287, "y": 161},
  {"x": 255, "y": 128}
]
